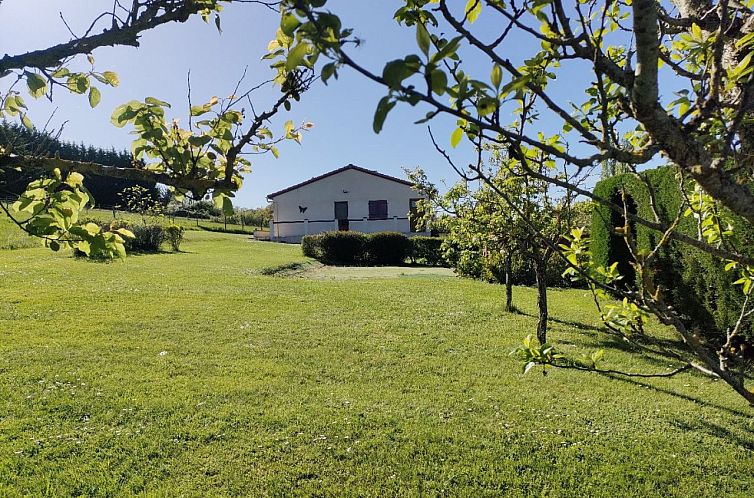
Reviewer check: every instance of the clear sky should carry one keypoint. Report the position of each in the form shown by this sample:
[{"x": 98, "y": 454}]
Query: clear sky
[{"x": 342, "y": 112}]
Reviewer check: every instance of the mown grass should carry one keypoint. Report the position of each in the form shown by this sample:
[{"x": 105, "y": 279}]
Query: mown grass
[{"x": 195, "y": 374}]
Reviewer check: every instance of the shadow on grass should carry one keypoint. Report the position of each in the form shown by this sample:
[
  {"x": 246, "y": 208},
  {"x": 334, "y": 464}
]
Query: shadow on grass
[
  {"x": 686, "y": 397},
  {"x": 608, "y": 339},
  {"x": 718, "y": 431}
]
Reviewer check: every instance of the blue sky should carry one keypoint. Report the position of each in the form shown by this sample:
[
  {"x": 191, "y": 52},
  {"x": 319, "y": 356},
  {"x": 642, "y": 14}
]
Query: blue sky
[{"x": 342, "y": 112}]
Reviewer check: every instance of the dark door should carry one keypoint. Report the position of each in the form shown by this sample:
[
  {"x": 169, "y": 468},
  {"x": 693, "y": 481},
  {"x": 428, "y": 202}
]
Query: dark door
[{"x": 341, "y": 214}]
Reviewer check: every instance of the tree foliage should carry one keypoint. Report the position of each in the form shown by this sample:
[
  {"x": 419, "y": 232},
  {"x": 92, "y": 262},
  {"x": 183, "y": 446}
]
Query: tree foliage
[
  {"x": 16, "y": 139},
  {"x": 207, "y": 156}
]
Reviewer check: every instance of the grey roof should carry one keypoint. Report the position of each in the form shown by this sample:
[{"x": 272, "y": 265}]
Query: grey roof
[{"x": 340, "y": 170}]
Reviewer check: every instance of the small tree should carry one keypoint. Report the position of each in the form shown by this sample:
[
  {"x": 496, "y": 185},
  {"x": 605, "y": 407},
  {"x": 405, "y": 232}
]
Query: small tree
[{"x": 494, "y": 222}]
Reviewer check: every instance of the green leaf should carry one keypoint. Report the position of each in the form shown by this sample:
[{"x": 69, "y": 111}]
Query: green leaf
[
  {"x": 94, "y": 97},
  {"x": 85, "y": 247},
  {"x": 422, "y": 38},
  {"x": 473, "y": 9},
  {"x": 328, "y": 71},
  {"x": 112, "y": 78},
  {"x": 486, "y": 105},
  {"x": 61, "y": 73},
  {"x": 396, "y": 71},
  {"x": 497, "y": 75},
  {"x": 37, "y": 84},
  {"x": 448, "y": 49},
  {"x": 288, "y": 23},
  {"x": 125, "y": 233},
  {"x": 74, "y": 179},
  {"x": 439, "y": 81},
  {"x": 78, "y": 83},
  {"x": 383, "y": 108},
  {"x": 27, "y": 122},
  {"x": 296, "y": 56},
  {"x": 456, "y": 137},
  {"x": 227, "y": 206},
  {"x": 198, "y": 110},
  {"x": 156, "y": 102}
]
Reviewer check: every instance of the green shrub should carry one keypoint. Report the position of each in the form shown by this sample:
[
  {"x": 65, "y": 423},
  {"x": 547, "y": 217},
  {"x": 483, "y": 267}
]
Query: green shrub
[
  {"x": 427, "y": 250},
  {"x": 387, "y": 248},
  {"x": 174, "y": 236},
  {"x": 346, "y": 248},
  {"x": 695, "y": 283},
  {"x": 150, "y": 237},
  {"x": 310, "y": 245}
]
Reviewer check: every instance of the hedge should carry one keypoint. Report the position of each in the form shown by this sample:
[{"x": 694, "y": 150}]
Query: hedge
[
  {"x": 427, "y": 250},
  {"x": 387, "y": 248},
  {"x": 381, "y": 248},
  {"x": 148, "y": 237},
  {"x": 695, "y": 282},
  {"x": 346, "y": 248}
]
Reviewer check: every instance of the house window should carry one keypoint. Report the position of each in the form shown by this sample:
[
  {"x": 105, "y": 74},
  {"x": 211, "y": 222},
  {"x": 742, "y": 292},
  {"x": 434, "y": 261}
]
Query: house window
[{"x": 377, "y": 210}]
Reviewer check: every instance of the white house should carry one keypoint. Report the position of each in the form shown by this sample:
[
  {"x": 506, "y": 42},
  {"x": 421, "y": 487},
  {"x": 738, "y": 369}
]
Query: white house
[{"x": 349, "y": 198}]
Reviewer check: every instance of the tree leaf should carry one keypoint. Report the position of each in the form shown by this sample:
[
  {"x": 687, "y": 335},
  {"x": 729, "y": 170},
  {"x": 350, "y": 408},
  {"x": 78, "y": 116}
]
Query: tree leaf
[
  {"x": 456, "y": 137},
  {"x": 27, "y": 122},
  {"x": 473, "y": 9},
  {"x": 94, "y": 96},
  {"x": 422, "y": 38},
  {"x": 37, "y": 84},
  {"x": 383, "y": 108},
  {"x": 296, "y": 56},
  {"x": 497, "y": 75},
  {"x": 112, "y": 78}
]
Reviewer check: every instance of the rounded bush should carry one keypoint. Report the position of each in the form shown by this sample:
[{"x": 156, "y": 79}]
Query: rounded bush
[
  {"x": 346, "y": 248},
  {"x": 388, "y": 248},
  {"x": 427, "y": 250},
  {"x": 310, "y": 245}
]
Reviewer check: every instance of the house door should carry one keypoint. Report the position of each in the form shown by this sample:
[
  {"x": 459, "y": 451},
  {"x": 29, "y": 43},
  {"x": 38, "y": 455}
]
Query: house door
[{"x": 341, "y": 215}]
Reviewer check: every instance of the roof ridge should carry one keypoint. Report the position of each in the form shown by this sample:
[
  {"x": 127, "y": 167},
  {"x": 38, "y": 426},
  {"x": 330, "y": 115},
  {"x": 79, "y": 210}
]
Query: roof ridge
[{"x": 349, "y": 166}]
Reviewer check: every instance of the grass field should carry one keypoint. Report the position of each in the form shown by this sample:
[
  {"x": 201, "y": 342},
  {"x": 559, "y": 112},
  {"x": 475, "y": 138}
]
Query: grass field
[{"x": 194, "y": 374}]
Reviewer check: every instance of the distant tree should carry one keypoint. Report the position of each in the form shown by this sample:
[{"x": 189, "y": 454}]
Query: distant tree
[{"x": 17, "y": 139}]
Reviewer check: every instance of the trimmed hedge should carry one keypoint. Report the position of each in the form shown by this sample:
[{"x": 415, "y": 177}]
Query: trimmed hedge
[
  {"x": 387, "y": 248},
  {"x": 345, "y": 248},
  {"x": 381, "y": 248},
  {"x": 427, "y": 250},
  {"x": 695, "y": 282}
]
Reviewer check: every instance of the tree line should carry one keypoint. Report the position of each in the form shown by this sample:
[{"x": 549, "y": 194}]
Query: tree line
[{"x": 19, "y": 140}]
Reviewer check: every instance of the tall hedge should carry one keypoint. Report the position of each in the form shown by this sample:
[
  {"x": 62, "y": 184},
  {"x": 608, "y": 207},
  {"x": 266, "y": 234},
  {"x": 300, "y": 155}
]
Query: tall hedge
[{"x": 695, "y": 283}]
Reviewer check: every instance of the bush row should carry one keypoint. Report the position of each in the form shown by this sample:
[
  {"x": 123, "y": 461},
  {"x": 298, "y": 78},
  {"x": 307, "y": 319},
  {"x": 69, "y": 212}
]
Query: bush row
[
  {"x": 147, "y": 237},
  {"x": 380, "y": 248}
]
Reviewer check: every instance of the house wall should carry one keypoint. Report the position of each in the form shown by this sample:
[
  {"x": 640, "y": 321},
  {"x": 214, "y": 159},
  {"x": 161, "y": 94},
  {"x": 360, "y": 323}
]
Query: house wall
[{"x": 355, "y": 187}]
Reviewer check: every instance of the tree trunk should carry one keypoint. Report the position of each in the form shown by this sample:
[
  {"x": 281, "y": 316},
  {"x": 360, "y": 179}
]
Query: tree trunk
[
  {"x": 508, "y": 282},
  {"x": 540, "y": 268}
]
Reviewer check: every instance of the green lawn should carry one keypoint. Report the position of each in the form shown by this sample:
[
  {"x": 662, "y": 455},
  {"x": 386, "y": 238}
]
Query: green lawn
[{"x": 194, "y": 374}]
